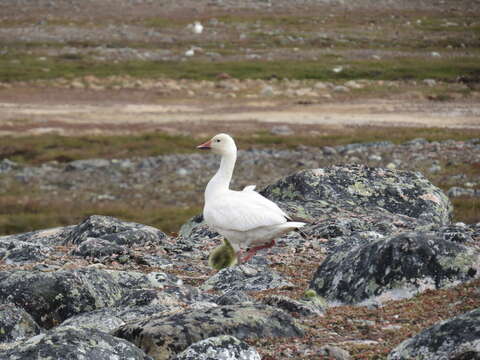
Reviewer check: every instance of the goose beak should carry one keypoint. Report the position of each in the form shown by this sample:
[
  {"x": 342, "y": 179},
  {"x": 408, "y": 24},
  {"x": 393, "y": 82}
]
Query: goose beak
[{"x": 205, "y": 146}]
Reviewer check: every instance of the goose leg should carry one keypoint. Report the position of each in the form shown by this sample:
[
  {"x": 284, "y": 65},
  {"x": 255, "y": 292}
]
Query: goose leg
[{"x": 253, "y": 251}]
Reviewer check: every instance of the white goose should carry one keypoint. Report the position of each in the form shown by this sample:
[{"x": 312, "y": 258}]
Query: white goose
[{"x": 245, "y": 218}]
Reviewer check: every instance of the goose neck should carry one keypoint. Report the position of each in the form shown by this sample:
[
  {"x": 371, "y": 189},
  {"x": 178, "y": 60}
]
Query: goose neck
[{"x": 221, "y": 180}]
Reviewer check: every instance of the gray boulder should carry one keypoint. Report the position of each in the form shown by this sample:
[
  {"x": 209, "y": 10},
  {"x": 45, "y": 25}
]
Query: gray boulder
[
  {"x": 74, "y": 344},
  {"x": 163, "y": 337},
  {"x": 294, "y": 307},
  {"x": 110, "y": 319},
  {"x": 48, "y": 237},
  {"x": 16, "y": 324},
  {"x": 456, "y": 338},
  {"x": 51, "y": 297},
  {"x": 115, "y": 231},
  {"x": 98, "y": 248},
  {"x": 222, "y": 347},
  {"x": 245, "y": 277},
  {"x": 316, "y": 192},
  {"x": 17, "y": 252},
  {"x": 7, "y": 165},
  {"x": 397, "y": 267}
]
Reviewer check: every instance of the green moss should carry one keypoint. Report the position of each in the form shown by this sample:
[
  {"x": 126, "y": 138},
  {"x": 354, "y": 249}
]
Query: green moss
[{"x": 24, "y": 68}]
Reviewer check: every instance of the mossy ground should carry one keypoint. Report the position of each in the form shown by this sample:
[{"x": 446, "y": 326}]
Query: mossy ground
[{"x": 27, "y": 68}]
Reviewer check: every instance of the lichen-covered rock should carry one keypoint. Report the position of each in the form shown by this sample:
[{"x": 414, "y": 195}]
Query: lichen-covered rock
[
  {"x": 51, "y": 297},
  {"x": 7, "y": 165},
  {"x": 155, "y": 288},
  {"x": 457, "y": 233},
  {"x": 245, "y": 277},
  {"x": 233, "y": 297},
  {"x": 16, "y": 324},
  {"x": 311, "y": 193},
  {"x": 110, "y": 319},
  {"x": 74, "y": 344},
  {"x": 17, "y": 252},
  {"x": 294, "y": 307},
  {"x": 222, "y": 347},
  {"x": 163, "y": 337},
  {"x": 98, "y": 248},
  {"x": 334, "y": 352},
  {"x": 48, "y": 237},
  {"x": 115, "y": 231},
  {"x": 397, "y": 267},
  {"x": 456, "y": 338}
]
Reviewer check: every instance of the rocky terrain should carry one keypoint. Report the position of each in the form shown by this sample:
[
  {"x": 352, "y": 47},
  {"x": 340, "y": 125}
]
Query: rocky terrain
[
  {"x": 359, "y": 116},
  {"x": 379, "y": 240}
]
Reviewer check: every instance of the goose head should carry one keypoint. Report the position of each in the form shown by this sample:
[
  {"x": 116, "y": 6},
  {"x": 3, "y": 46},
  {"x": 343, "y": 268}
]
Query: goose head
[{"x": 221, "y": 144}]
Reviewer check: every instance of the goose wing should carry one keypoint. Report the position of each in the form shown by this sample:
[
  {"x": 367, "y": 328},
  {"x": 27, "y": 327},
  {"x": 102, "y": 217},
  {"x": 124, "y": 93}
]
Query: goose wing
[{"x": 243, "y": 211}]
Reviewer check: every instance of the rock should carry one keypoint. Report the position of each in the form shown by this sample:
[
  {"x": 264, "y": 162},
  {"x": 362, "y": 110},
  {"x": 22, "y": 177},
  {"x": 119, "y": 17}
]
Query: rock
[
  {"x": 375, "y": 157},
  {"x": 334, "y": 352},
  {"x": 49, "y": 237},
  {"x": 245, "y": 277},
  {"x": 328, "y": 150},
  {"x": 341, "y": 89},
  {"x": 294, "y": 307},
  {"x": 17, "y": 252},
  {"x": 457, "y": 191},
  {"x": 233, "y": 297},
  {"x": 74, "y": 344},
  {"x": 335, "y": 189},
  {"x": 223, "y": 347},
  {"x": 363, "y": 147},
  {"x": 115, "y": 231},
  {"x": 352, "y": 84},
  {"x": 7, "y": 166},
  {"x": 281, "y": 130},
  {"x": 51, "y": 297},
  {"x": 457, "y": 233},
  {"x": 163, "y": 337},
  {"x": 398, "y": 267},
  {"x": 98, "y": 248},
  {"x": 267, "y": 91},
  {"x": 89, "y": 164},
  {"x": 430, "y": 82},
  {"x": 16, "y": 324},
  {"x": 456, "y": 338},
  {"x": 110, "y": 319},
  {"x": 416, "y": 142}
]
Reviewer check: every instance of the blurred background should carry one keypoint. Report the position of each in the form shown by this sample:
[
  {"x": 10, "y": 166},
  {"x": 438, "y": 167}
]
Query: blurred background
[{"x": 103, "y": 102}]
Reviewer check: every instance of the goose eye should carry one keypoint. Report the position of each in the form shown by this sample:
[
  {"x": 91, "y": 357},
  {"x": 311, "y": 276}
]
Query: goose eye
[{"x": 218, "y": 140}]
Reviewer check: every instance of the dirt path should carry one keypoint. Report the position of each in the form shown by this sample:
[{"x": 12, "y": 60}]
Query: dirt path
[{"x": 73, "y": 118}]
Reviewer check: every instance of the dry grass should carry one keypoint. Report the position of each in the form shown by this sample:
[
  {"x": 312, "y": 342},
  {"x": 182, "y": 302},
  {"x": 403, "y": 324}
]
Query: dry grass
[
  {"x": 35, "y": 150},
  {"x": 384, "y": 328}
]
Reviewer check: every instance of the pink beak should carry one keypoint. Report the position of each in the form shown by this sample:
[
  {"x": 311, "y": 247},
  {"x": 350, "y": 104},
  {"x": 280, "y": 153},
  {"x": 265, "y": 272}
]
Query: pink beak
[{"x": 205, "y": 146}]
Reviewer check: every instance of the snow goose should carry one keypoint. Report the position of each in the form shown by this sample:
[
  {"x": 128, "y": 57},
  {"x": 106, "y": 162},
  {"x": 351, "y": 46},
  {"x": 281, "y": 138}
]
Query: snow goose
[{"x": 245, "y": 218}]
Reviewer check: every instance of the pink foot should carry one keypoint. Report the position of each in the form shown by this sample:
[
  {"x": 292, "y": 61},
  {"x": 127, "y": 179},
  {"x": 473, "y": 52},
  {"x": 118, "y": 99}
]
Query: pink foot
[{"x": 253, "y": 251}]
